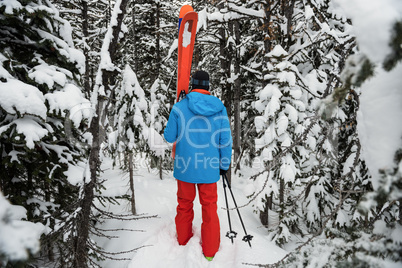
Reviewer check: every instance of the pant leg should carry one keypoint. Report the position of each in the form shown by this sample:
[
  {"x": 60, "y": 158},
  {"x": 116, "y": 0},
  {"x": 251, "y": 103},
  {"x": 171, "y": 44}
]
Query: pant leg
[
  {"x": 210, "y": 229},
  {"x": 185, "y": 214}
]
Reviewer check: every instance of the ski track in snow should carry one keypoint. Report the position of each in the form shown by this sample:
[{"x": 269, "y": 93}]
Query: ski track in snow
[{"x": 157, "y": 236}]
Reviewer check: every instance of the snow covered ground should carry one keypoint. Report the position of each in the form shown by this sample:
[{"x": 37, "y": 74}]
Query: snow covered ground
[{"x": 157, "y": 235}]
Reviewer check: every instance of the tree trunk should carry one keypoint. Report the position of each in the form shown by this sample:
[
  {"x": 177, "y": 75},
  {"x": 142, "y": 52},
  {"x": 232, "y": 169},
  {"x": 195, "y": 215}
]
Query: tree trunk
[
  {"x": 81, "y": 257},
  {"x": 264, "y": 215},
  {"x": 131, "y": 173},
  {"x": 81, "y": 251},
  {"x": 30, "y": 192},
  {"x": 288, "y": 10},
  {"x": 267, "y": 38},
  {"x": 2, "y": 173},
  {"x": 237, "y": 133},
  {"x": 86, "y": 76},
  {"x": 281, "y": 198},
  {"x": 400, "y": 211},
  {"x": 225, "y": 73},
  {"x": 134, "y": 40},
  {"x": 161, "y": 168},
  {"x": 157, "y": 45},
  {"x": 267, "y": 48}
]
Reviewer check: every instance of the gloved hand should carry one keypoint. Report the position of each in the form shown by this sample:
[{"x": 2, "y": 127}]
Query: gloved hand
[{"x": 222, "y": 172}]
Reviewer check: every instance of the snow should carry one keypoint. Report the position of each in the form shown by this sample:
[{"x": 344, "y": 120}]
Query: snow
[
  {"x": 259, "y": 123},
  {"x": 27, "y": 126},
  {"x": 76, "y": 173},
  {"x": 380, "y": 109},
  {"x": 278, "y": 51},
  {"x": 269, "y": 135},
  {"x": 156, "y": 142},
  {"x": 30, "y": 129},
  {"x": 106, "y": 62},
  {"x": 132, "y": 86},
  {"x": 72, "y": 99},
  {"x": 17, "y": 237},
  {"x": 313, "y": 213},
  {"x": 291, "y": 112},
  {"x": 202, "y": 20},
  {"x": 309, "y": 12},
  {"x": 246, "y": 11},
  {"x": 282, "y": 124},
  {"x": 74, "y": 55},
  {"x": 379, "y": 227},
  {"x": 314, "y": 85},
  {"x": 10, "y": 6},
  {"x": 269, "y": 91},
  {"x": 172, "y": 48},
  {"x": 372, "y": 23},
  {"x": 381, "y": 97},
  {"x": 397, "y": 234},
  {"x": 287, "y": 77},
  {"x": 273, "y": 106},
  {"x": 45, "y": 74},
  {"x": 288, "y": 170},
  {"x": 157, "y": 235},
  {"x": 16, "y": 96}
]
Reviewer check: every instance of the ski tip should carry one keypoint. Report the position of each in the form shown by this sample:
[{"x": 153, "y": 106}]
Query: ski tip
[{"x": 185, "y": 9}]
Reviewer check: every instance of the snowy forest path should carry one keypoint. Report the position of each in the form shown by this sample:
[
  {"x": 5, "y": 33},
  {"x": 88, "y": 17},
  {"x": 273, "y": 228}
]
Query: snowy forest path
[{"x": 157, "y": 236}]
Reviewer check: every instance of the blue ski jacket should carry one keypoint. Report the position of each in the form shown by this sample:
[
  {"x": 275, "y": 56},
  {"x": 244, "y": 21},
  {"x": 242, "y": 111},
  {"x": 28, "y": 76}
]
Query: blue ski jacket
[{"x": 200, "y": 127}]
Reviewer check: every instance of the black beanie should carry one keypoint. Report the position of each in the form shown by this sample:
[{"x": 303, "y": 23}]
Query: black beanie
[{"x": 200, "y": 80}]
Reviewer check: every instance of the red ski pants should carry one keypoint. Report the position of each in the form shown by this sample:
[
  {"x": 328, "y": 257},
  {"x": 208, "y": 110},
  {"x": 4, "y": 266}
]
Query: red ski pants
[{"x": 210, "y": 230}]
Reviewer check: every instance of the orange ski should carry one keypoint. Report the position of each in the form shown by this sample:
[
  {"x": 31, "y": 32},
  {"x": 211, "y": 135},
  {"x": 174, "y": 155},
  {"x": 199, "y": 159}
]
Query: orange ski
[{"x": 187, "y": 31}]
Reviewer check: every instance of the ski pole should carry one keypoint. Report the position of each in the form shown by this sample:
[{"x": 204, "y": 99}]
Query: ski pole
[
  {"x": 247, "y": 237},
  {"x": 230, "y": 234}
]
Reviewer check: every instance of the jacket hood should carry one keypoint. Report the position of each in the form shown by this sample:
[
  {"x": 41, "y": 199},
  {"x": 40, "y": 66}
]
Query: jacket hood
[{"x": 202, "y": 104}]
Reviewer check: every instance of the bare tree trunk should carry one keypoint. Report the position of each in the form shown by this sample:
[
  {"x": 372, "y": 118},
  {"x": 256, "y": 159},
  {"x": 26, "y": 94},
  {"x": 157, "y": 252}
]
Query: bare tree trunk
[
  {"x": 131, "y": 173},
  {"x": 400, "y": 211},
  {"x": 281, "y": 197},
  {"x": 158, "y": 52},
  {"x": 237, "y": 96},
  {"x": 288, "y": 10},
  {"x": 161, "y": 168},
  {"x": 86, "y": 76},
  {"x": 134, "y": 39},
  {"x": 81, "y": 257},
  {"x": 225, "y": 72},
  {"x": 158, "y": 66},
  {"x": 267, "y": 37},
  {"x": 264, "y": 215},
  {"x": 81, "y": 246}
]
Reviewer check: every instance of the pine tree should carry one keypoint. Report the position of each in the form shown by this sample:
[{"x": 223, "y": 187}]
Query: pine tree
[
  {"x": 42, "y": 114},
  {"x": 369, "y": 203},
  {"x": 149, "y": 36},
  {"x": 312, "y": 68},
  {"x": 18, "y": 239},
  {"x": 283, "y": 114}
]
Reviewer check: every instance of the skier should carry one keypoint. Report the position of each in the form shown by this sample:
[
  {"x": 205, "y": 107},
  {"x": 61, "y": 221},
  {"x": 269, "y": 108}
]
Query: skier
[{"x": 200, "y": 127}]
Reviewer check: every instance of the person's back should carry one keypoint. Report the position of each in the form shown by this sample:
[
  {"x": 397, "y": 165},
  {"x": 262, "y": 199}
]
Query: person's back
[
  {"x": 203, "y": 139},
  {"x": 201, "y": 129}
]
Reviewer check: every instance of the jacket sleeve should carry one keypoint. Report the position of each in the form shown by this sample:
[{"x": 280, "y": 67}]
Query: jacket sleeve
[
  {"x": 225, "y": 142},
  {"x": 171, "y": 130}
]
